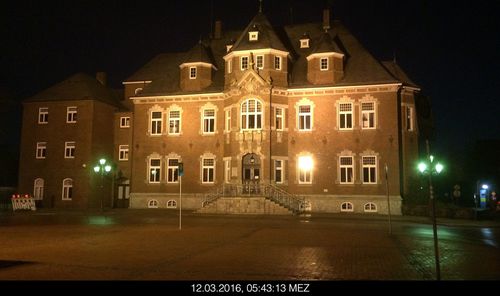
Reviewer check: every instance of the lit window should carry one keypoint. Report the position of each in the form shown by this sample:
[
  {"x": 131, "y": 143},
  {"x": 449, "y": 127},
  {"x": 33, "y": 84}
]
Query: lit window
[
  {"x": 279, "y": 119},
  {"x": 323, "y": 64},
  {"x": 41, "y": 150},
  {"x": 346, "y": 169},
  {"x": 370, "y": 207},
  {"x": 71, "y": 115},
  {"x": 154, "y": 170},
  {"x": 124, "y": 122},
  {"x": 305, "y": 169},
  {"x": 174, "y": 122},
  {"x": 346, "y": 207},
  {"x": 304, "y": 43},
  {"x": 192, "y": 73},
  {"x": 67, "y": 190},
  {"x": 260, "y": 62},
  {"x": 227, "y": 170},
  {"x": 43, "y": 115},
  {"x": 369, "y": 169},
  {"x": 409, "y": 118},
  {"x": 244, "y": 63},
  {"x": 209, "y": 121},
  {"x": 69, "y": 149},
  {"x": 172, "y": 170},
  {"x": 345, "y": 116},
  {"x": 251, "y": 115},
  {"x": 38, "y": 189},
  {"x": 368, "y": 115},
  {"x": 278, "y": 171},
  {"x": 171, "y": 204},
  {"x": 123, "y": 152},
  {"x": 277, "y": 63},
  {"x": 227, "y": 127},
  {"x": 156, "y": 123},
  {"x": 208, "y": 170},
  {"x": 253, "y": 36},
  {"x": 305, "y": 118},
  {"x": 152, "y": 204}
]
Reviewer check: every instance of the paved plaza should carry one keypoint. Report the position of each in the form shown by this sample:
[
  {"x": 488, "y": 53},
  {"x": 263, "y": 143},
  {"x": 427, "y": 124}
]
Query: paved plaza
[{"x": 148, "y": 245}]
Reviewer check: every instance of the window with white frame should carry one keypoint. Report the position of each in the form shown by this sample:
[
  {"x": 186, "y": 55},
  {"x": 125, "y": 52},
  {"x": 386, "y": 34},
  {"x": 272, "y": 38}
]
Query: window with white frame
[
  {"x": 369, "y": 169},
  {"x": 278, "y": 171},
  {"x": 174, "y": 122},
  {"x": 368, "y": 115},
  {"x": 209, "y": 121},
  {"x": 346, "y": 164},
  {"x": 172, "y": 170},
  {"x": 305, "y": 118},
  {"x": 305, "y": 168},
  {"x": 41, "y": 150},
  {"x": 154, "y": 170},
  {"x": 38, "y": 189},
  {"x": 277, "y": 63},
  {"x": 152, "y": 204},
  {"x": 71, "y": 114},
  {"x": 192, "y": 72},
  {"x": 69, "y": 149},
  {"x": 244, "y": 63},
  {"x": 280, "y": 119},
  {"x": 227, "y": 126},
  {"x": 229, "y": 66},
  {"x": 138, "y": 90},
  {"x": 123, "y": 152},
  {"x": 43, "y": 115},
  {"x": 251, "y": 115},
  {"x": 323, "y": 64},
  {"x": 409, "y": 118},
  {"x": 253, "y": 36},
  {"x": 207, "y": 170},
  {"x": 156, "y": 122},
  {"x": 260, "y": 62},
  {"x": 370, "y": 207},
  {"x": 227, "y": 170},
  {"x": 124, "y": 122},
  {"x": 67, "y": 189},
  {"x": 346, "y": 207},
  {"x": 171, "y": 204},
  {"x": 345, "y": 116},
  {"x": 304, "y": 43}
]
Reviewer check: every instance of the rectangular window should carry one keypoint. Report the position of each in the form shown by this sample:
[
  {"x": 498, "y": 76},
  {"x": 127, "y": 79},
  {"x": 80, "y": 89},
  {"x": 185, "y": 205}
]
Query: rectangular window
[
  {"x": 71, "y": 115},
  {"x": 409, "y": 118},
  {"x": 174, "y": 122},
  {"x": 279, "y": 119},
  {"x": 368, "y": 115},
  {"x": 43, "y": 115},
  {"x": 208, "y": 170},
  {"x": 346, "y": 170},
  {"x": 123, "y": 152},
  {"x": 305, "y": 118},
  {"x": 229, "y": 66},
  {"x": 369, "y": 169},
  {"x": 323, "y": 64},
  {"x": 41, "y": 150},
  {"x": 192, "y": 73},
  {"x": 260, "y": 62},
  {"x": 208, "y": 121},
  {"x": 154, "y": 170},
  {"x": 69, "y": 149},
  {"x": 345, "y": 116},
  {"x": 305, "y": 169},
  {"x": 156, "y": 123},
  {"x": 278, "y": 171},
  {"x": 277, "y": 63},
  {"x": 172, "y": 170},
  {"x": 244, "y": 63},
  {"x": 227, "y": 170},
  {"x": 227, "y": 126},
  {"x": 124, "y": 122}
]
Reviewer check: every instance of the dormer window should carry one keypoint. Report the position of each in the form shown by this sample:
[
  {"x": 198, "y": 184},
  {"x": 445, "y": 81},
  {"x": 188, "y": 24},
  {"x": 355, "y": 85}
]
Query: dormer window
[
  {"x": 323, "y": 64},
  {"x": 192, "y": 73},
  {"x": 253, "y": 36},
  {"x": 304, "y": 43}
]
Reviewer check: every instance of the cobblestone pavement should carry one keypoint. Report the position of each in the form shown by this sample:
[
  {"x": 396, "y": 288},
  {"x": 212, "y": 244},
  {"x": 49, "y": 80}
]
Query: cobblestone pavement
[{"x": 146, "y": 245}]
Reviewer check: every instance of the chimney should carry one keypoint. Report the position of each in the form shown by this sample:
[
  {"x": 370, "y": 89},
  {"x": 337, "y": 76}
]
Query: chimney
[
  {"x": 218, "y": 30},
  {"x": 101, "y": 77},
  {"x": 326, "y": 19}
]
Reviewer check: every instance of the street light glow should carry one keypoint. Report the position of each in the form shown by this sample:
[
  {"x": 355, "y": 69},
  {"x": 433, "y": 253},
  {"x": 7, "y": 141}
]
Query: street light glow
[
  {"x": 422, "y": 167},
  {"x": 102, "y": 161},
  {"x": 484, "y": 186},
  {"x": 107, "y": 168},
  {"x": 96, "y": 169},
  {"x": 305, "y": 163},
  {"x": 439, "y": 168}
]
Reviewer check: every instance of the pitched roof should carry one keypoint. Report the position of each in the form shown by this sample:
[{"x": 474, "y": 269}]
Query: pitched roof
[
  {"x": 77, "y": 87},
  {"x": 326, "y": 44},
  {"x": 398, "y": 73},
  {"x": 199, "y": 53}
]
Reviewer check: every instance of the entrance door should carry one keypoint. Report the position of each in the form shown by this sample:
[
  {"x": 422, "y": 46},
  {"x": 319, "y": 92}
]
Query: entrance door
[
  {"x": 122, "y": 198},
  {"x": 251, "y": 173}
]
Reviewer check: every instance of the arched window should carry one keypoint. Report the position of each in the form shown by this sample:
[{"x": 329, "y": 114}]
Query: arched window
[
  {"x": 38, "y": 189},
  {"x": 251, "y": 115},
  {"x": 152, "y": 204},
  {"x": 346, "y": 207},
  {"x": 370, "y": 207},
  {"x": 67, "y": 189},
  {"x": 171, "y": 204}
]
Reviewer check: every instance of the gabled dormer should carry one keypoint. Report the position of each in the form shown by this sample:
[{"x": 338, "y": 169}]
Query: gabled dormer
[
  {"x": 325, "y": 63},
  {"x": 305, "y": 41},
  {"x": 196, "y": 71}
]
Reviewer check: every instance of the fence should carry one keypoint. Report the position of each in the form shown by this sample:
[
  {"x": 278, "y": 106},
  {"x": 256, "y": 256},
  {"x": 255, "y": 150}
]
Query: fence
[{"x": 23, "y": 202}]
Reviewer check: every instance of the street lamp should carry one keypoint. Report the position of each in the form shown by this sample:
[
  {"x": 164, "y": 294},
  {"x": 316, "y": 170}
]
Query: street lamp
[
  {"x": 429, "y": 168},
  {"x": 102, "y": 168}
]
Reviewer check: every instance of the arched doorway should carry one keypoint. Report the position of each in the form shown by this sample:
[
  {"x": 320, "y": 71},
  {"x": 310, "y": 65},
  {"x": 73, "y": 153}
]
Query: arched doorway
[{"x": 250, "y": 169}]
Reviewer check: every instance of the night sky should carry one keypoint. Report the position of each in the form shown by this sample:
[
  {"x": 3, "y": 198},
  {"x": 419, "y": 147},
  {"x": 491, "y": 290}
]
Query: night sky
[{"x": 449, "y": 48}]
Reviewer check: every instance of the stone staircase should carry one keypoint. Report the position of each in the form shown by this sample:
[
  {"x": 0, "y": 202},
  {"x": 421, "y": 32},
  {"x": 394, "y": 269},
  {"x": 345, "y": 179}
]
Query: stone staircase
[{"x": 255, "y": 205}]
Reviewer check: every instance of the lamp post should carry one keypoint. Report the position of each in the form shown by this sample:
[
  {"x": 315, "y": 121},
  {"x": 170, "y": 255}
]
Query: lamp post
[
  {"x": 102, "y": 168},
  {"x": 429, "y": 168}
]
